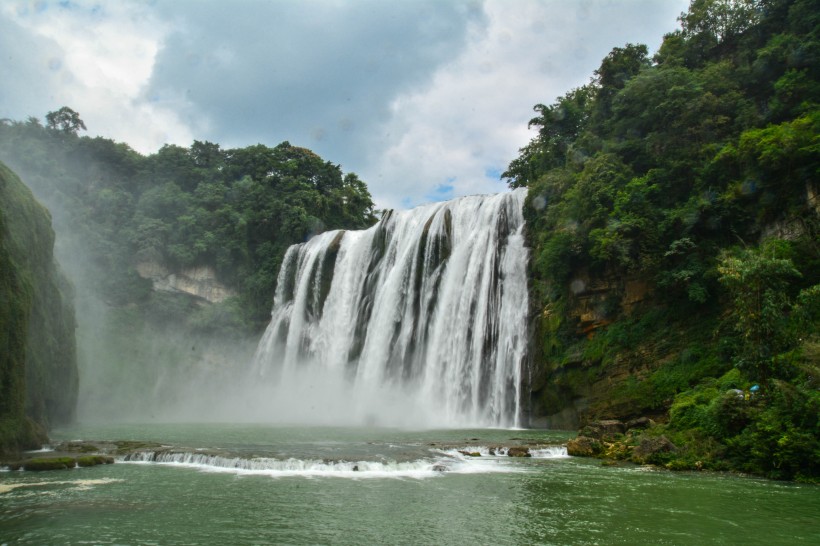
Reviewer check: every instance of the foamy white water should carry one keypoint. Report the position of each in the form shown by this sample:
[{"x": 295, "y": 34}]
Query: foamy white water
[
  {"x": 445, "y": 462},
  {"x": 419, "y": 320}
]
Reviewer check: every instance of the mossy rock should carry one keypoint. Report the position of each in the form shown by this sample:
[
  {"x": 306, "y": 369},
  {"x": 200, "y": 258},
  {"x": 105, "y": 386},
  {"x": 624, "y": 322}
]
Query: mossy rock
[
  {"x": 94, "y": 460},
  {"x": 584, "y": 446},
  {"x": 54, "y": 463},
  {"x": 617, "y": 450}
]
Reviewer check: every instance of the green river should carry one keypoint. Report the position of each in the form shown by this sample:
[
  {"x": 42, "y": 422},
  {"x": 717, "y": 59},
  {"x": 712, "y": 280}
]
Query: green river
[{"x": 255, "y": 484}]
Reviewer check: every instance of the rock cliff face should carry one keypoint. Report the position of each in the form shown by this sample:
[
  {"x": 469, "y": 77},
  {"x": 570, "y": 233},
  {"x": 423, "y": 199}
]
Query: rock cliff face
[
  {"x": 576, "y": 388},
  {"x": 596, "y": 300},
  {"x": 200, "y": 282},
  {"x": 38, "y": 356}
]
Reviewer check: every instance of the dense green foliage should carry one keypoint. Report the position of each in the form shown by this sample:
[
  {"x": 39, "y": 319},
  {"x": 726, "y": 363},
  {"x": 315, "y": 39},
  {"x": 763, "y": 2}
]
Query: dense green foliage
[
  {"x": 673, "y": 217},
  {"x": 229, "y": 213},
  {"x": 235, "y": 210},
  {"x": 38, "y": 365}
]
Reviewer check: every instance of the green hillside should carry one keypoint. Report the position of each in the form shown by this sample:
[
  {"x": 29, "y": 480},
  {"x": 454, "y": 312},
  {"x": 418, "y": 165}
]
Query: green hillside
[
  {"x": 673, "y": 216},
  {"x": 38, "y": 357}
]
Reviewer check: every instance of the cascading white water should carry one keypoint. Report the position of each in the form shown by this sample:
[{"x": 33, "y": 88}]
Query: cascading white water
[{"x": 420, "y": 319}]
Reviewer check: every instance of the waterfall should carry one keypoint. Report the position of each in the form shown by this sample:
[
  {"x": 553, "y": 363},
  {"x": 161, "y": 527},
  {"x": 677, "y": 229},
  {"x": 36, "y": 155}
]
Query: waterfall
[{"x": 419, "y": 319}]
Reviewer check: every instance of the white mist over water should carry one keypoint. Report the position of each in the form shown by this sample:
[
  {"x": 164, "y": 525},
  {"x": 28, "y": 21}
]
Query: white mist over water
[{"x": 418, "y": 321}]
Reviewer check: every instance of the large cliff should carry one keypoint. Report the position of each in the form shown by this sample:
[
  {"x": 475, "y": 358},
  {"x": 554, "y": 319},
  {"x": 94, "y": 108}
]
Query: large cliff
[
  {"x": 38, "y": 363},
  {"x": 672, "y": 217}
]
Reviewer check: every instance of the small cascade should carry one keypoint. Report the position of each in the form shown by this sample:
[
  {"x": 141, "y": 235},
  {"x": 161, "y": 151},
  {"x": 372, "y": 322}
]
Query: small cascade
[
  {"x": 466, "y": 460},
  {"x": 423, "y": 315}
]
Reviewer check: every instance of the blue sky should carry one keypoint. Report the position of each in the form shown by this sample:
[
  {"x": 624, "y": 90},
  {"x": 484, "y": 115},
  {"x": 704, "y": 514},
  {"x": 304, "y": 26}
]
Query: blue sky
[{"x": 425, "y": 100}]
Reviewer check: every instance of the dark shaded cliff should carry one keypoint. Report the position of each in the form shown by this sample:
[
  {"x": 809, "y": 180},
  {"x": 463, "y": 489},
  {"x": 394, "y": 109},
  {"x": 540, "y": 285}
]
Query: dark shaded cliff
[{"x": 38, "y": 357}]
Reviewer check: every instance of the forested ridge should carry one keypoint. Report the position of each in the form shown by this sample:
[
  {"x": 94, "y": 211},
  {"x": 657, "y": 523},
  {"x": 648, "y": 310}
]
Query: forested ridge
[
  {"x": 673, "y": 217},
  {"x": 236, "y": 210}
]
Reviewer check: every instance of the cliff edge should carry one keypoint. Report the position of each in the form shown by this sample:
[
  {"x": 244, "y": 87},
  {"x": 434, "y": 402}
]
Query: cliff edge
[{"x": 38, "y": 356}]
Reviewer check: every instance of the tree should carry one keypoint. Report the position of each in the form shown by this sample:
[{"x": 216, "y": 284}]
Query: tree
[
  {"x": 621, "y": 65},
  {"x": 559, "y": 125},
  {"x": 758, "y": 284},
  {"x": 720, "y": 20},
  {"x": 65, "y": 120}
]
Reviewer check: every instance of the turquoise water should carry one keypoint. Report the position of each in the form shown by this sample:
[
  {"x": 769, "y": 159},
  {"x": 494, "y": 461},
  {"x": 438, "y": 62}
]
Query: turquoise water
[{"x": 263, "y": 485}]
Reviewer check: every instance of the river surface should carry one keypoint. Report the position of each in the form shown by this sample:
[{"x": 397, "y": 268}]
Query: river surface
[{"x": 254, "y": 484}]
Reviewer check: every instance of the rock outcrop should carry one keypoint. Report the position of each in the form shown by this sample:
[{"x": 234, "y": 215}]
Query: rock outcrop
[
  {"x": 200, "y": 282},
  {"x": 611, "y": 439},
  {"x": 519, "y": 451}
]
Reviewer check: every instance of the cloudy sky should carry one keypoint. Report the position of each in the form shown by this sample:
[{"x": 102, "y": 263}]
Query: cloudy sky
[{"x": 425, "y": 100}]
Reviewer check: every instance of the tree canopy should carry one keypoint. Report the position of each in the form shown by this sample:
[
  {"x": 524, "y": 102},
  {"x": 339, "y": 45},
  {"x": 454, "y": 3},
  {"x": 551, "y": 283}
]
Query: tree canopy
[
  {"x": 236, "y": 210},
  {"x": 65, "y": 120}
]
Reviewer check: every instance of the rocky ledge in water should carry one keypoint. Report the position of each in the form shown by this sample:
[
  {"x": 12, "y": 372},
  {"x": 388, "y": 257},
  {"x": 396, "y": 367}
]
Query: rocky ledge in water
[
  {"x": 496, "y": 450},
  {"x": 59, "y": 462},
  {"x": 614, "y": 440},
  {"x": 66, "y": 455},
  {"x": 499, "y": 451}
]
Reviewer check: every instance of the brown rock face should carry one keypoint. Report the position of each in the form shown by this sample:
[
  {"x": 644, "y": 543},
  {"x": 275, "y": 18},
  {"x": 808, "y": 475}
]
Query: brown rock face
[
  {"x": 195, "y": 281},
  {"x": 605, "y": 429}
]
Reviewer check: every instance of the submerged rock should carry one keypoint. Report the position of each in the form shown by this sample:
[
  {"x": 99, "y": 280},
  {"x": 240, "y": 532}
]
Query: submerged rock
[{"x": 519, "y": 451}]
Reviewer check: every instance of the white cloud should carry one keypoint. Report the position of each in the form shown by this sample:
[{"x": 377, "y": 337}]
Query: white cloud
[
  {"x": 425, "y": 100},
  {"x": 104, "y": 56},
  {"x": 321, "y": 77},
  {"x": 455, "y": 137}
]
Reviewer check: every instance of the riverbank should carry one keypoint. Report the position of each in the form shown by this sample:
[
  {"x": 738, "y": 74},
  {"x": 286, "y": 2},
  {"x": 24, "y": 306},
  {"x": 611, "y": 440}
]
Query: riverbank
[{"x": 644, "y": 442}]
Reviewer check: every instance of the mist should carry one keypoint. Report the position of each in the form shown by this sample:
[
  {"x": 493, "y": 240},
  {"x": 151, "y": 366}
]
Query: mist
[
  {"x": 132, "y": 367},
  {"x": 415, "y": 321}
]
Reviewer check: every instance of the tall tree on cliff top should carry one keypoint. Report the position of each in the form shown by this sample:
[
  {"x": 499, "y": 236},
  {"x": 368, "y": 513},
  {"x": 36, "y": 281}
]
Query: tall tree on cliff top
[{"x": 65, "y": 120}]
